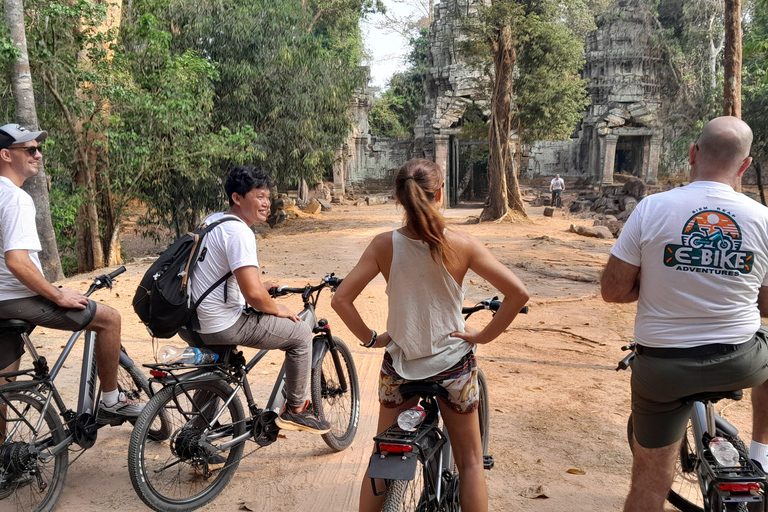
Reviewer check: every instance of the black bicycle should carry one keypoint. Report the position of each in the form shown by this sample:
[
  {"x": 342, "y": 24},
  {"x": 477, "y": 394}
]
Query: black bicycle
[
  {"x": 209, "y": 428},
  {"x": 35, "y": 443},
  {"x": 701, "y": 483},
  {"x": 415, "y": 470}
]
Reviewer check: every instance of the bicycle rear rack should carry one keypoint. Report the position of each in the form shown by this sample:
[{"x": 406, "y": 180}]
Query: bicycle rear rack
[{"x": 746, "y": 472}]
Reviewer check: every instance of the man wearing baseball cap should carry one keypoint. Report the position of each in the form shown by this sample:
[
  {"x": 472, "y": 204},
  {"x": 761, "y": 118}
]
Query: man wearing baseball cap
[{"x": 27, "y": 295}]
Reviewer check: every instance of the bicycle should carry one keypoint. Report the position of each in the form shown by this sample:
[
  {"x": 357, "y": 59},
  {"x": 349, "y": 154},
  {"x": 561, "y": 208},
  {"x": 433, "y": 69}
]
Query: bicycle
[
  {"x": 34, "y": 454},
  {"x": 701, "y": 484},
  {"x": 209, "y": 428},
  {"x": 417, "y": 466},
  {"x": 557, "y": 200}
]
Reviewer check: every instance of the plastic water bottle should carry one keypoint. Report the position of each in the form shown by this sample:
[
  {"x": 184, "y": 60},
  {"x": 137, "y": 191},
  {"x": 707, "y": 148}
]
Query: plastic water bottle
[
  {"x": 724, "y": 452},
  {"x": 412, "y": 418},
  {"x": 189, "y": 355}
]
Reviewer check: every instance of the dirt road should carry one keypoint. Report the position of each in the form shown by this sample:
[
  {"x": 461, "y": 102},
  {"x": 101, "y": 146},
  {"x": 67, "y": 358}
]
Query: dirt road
[{"x": 556, "y": 401}]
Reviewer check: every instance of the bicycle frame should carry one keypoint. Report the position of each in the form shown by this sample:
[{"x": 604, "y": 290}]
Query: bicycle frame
[{"x": 238, "y": 376}]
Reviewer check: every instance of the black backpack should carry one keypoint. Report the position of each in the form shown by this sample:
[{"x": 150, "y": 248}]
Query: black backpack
[{"x": 162, "y": 300}]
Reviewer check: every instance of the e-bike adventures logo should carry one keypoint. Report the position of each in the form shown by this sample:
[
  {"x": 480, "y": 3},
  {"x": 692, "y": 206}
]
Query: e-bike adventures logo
[{"x": 711, "y": 243}]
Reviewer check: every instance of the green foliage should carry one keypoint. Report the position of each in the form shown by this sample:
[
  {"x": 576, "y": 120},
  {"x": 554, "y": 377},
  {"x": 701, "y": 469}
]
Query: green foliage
[
  {"x": 547, "y": 35},
  {"x": 394, "y": 114},
  {"x": 755, "y": 80},
  {"x": 291, "y": 79}
]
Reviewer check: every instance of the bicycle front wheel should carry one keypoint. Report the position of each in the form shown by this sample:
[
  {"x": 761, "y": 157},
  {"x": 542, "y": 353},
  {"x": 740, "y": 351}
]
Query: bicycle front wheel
[
  {"x": 28, "y": 481},
  {"x": 336, "y": 395},
  {"x": 180, "y": 473},
  {"x": 135, "y": 385}
]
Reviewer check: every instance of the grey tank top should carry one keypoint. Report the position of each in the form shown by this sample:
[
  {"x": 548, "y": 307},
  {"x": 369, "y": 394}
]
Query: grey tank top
[{"x": 424, "y": 308}]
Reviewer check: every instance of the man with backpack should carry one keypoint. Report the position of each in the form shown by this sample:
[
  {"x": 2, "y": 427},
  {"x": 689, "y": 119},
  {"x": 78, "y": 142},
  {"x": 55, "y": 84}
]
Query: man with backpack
[
  {"x": 26, "y": 294},
  {"x": 239, "y": 310}
]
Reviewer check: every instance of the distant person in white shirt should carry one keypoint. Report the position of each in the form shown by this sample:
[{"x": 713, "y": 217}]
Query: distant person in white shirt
[{"x": 556, "y": 186}]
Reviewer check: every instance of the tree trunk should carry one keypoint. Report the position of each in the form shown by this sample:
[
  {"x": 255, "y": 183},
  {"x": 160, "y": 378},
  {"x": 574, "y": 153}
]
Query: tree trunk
[
  {"x": 26, "y": 115},
  {"x": 502, "y": 177},
  {"x": 97, "y": 225},
  {"x": 732, "y": 59}
]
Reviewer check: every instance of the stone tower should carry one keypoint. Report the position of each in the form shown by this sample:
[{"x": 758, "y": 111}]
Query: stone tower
[{"x": 620, "y": 131}]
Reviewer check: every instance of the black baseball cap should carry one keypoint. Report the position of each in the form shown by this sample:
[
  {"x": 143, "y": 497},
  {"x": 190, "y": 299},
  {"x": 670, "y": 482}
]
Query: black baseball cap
[{"x": 11, "y": 134}]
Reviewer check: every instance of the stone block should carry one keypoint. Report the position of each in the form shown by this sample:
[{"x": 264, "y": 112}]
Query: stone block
[
  {"x": 313, "y": 207},
  {"x": 595, "y": 232},
  {"x": 325, "y": 205},
  {"x": 549, "y": 211},
  {"x": 635, "y": 187}
]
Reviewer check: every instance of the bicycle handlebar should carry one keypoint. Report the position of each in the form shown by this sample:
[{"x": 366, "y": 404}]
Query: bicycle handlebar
[
  {"x": 104, "y": 281},
  {"x": 328, "y": 280},
  {"x": 493, "y": 304}
]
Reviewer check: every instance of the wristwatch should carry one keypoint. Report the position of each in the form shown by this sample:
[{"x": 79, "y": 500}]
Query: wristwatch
[{"x": 372, "y": 342}]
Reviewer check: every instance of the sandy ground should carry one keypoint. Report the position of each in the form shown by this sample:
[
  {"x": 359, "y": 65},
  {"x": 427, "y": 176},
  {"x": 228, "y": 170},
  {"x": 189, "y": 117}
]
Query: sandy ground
[{"x": 556, "y": 401}]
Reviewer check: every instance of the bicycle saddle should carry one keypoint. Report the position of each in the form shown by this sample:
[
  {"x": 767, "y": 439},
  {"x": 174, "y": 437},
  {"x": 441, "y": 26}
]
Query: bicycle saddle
[
  {"x": 422, "y": 389},
  {"x": 15, "y": 325},
  {"x": 714, "y": 396}
]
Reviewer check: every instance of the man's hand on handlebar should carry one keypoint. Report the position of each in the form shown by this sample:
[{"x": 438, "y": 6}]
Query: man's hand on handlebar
[
  {"x": 71, "y": 299},
  {"x": 269, "y": 285}
]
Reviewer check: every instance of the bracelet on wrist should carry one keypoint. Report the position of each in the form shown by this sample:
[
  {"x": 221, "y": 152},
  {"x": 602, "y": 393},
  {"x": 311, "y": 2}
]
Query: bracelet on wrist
[{"x": 372, "y": 342}]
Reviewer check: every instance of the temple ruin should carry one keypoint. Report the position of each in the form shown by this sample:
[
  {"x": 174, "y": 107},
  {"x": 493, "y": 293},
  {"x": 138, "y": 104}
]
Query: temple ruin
[{"x": 619, "y": 133}]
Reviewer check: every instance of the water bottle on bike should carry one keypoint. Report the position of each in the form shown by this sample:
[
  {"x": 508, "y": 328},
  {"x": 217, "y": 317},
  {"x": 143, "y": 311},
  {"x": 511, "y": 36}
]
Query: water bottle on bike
[
  {"x": 412, "y": 418},
  {"x": 189, "y": 355},
  {"x": 724, "y": 452}
]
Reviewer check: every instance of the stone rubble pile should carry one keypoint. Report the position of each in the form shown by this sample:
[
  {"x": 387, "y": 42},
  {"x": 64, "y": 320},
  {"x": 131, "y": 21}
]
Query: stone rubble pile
[{"x": 612, "y": 203}]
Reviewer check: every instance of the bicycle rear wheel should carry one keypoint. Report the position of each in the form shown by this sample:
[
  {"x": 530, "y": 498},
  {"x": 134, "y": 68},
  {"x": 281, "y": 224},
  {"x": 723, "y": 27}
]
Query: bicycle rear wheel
[
  {"x": 180, "y": 474},
  {"x": 483, "y": 409},
  {"x": 29, "y": 482},
  {"x": 338, "y": 405},
  {"x": 132, "y": 381},
  {"x": 407, "y": 495}
]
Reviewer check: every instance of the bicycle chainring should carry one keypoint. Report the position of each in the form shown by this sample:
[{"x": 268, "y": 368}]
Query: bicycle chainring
[
  {"x": 85, "y": 431},
  {"x": 264, "y": 429}
]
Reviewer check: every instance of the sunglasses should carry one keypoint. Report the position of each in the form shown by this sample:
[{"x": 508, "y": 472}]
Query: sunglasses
[{"x": 32, "y": 150}]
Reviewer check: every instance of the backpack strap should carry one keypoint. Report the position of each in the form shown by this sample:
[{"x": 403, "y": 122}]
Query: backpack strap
[{"x": 195, "y": 321}]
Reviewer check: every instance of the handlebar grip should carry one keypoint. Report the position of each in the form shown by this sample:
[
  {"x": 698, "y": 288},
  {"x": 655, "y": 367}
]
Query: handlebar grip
[{"x": 116, "y": 273}]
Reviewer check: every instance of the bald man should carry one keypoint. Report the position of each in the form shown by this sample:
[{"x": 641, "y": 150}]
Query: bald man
[{"x": 696, "y": 261}]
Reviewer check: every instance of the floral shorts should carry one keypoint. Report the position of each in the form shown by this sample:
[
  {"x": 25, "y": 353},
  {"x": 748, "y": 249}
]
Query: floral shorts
[{"x": 460, "y": 381}]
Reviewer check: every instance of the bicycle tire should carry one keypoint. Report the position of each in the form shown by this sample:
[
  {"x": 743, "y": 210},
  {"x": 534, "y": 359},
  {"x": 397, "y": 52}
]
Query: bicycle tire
[
  {"x": 483, "y": 410},
  {"x": 169, "y": 476},
  {"x": 132, "y": 381},
  {"x": 340, "y": 408},
  {"x": 406, "y": 495},
  {"x": 22, "y": 492}
]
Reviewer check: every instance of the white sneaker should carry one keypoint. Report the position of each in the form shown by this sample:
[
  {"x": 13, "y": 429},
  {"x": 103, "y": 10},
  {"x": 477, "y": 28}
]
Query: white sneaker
[{"x": 124, "y": 409}]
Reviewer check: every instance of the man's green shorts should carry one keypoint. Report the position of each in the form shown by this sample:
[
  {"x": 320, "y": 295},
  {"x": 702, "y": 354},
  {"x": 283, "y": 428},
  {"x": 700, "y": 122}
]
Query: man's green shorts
[{"x": 658, "y": 383}]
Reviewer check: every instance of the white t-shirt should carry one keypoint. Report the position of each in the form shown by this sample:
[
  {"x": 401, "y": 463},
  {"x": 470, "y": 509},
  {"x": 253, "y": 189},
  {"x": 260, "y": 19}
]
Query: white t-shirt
[
  {"x": 17, "y": 231},
  {"x": 231, "y": 245},
  {"x": 703, "y": 255},
  {"x": 557, "y": 183}
]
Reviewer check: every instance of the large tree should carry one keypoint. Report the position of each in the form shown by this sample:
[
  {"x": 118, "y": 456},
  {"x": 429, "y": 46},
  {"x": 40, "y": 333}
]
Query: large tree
[
  {"x": 531, "y": 55},
  {"x": 291, "y": 79},
  {"x": 26, "y": 115}
]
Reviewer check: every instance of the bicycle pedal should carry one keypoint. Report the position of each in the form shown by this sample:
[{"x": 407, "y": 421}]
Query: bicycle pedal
[{"x": 488, "y": 462}]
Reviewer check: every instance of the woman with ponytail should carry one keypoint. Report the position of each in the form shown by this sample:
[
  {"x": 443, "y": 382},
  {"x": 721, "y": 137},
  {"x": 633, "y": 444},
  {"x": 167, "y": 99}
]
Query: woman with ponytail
[{"x": 424, "y": 265}]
